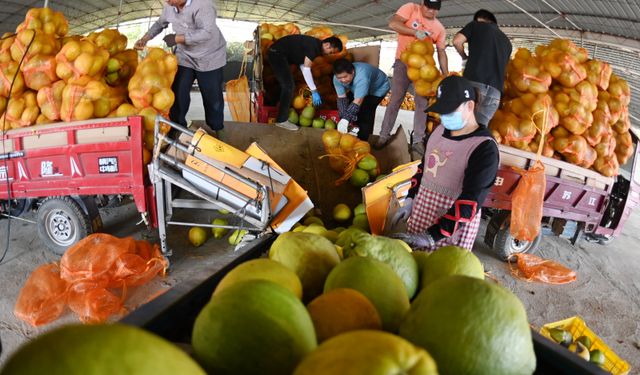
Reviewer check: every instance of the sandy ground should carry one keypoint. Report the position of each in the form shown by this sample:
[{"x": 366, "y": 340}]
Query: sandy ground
[{"x": 606, "y": 294}]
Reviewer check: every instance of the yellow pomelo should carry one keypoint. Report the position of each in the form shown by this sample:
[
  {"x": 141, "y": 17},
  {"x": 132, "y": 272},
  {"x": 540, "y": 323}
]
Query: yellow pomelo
[
  {"x": 103, "y": 349},
  {"x": 218, "y": 233},
  {"x": 331, "y": 235},
  {"x": 367, "y": 352},
  {"x": 237, "y": 236},
  {"x": 448, "y": 261},
  {"x": 313, "y": 219},
  {"x": 309, "y": 255},
  {"x": 376, "y": 281},
  {"x": 316, "y": 229},
  {"x": 197, "y": 236},
  {"x": 471, "y": 326},
  {"x": 341, "y": 212},
  {"x": 341, "y": 310},
  {"x": 299, "y": 228},
  {"x": 262, "y": 269},
  {"x": 253, "y": 327}
]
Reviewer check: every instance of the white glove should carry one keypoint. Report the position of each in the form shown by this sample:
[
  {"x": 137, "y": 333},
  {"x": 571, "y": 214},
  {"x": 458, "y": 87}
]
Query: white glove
[
  {"x": 403, "y": 212},
  {"x": 421, "y": 34},
  {"x": 464, "y": 62},
  {"x": 343, "y": 126}
]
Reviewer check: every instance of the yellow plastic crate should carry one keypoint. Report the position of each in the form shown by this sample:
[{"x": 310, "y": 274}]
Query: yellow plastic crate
[{"x": 577, "y": 327}]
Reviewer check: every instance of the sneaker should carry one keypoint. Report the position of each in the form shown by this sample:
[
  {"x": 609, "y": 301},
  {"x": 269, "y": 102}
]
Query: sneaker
[
  {"x": 381, "y": 143},
  {"x": 288, "y": 125}
]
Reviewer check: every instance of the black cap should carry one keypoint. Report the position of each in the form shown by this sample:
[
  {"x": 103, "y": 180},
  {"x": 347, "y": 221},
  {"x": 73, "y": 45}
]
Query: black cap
[
  {"x": 452, "y": 91},
  {"x": 433, "y": 4}
]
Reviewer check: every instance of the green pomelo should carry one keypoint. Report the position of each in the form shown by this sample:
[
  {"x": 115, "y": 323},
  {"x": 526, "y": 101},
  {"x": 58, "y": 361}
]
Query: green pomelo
[
  {"x": 420, "y": 257},
  {"x": 293, "y": 116},
  {"x": 378, "y": 282},
  {"x": 346, "y": 237},
  {"x": 313, "y": 219},
  {"x": 236, "y": 236},
  {"x": 253, "y": 327},
  {"x": 389, "y": 251},
  {"x": 315, "y": 228},
  {"x": 218, "y": 233},
  {"x": 361, "y": 221},
  {"x": 373, "y": 173},
  {"x": 262, "y": 269},
  {"x": 368, "y": 162},
  {"x": 103, "y": 349},
  {"x": 318, "y": 123},
  {"x": 309, "y": 255},
  {"x": 341, "y": 212},
  {"x": 331, "y": 235},
  {"x": 308, "y": 113},
  {"x": 471, "y": 326},
  {"x": 329, "y": 124},
  {"x": 449, "y": 261},
  {"x": 303, "y": 121},
  {"x": 359, "y": 178},
  {"x": 367, "y": 352},
  {"x": 359, "y": 209}
]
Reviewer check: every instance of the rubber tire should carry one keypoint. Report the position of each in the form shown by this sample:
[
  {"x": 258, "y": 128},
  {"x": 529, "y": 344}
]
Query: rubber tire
[
  {"x": 76, "y": 217},
  {"x": 504, "y": 241}
]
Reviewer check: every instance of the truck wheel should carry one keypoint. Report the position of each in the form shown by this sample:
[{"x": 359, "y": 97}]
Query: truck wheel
[
  {"x": 506, "y": 245},
  {"x": 62, "y": 223}
]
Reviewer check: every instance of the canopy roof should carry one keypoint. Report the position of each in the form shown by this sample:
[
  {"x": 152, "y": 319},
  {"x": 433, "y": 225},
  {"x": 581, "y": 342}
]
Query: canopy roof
[{"x": 610, "y": 30}]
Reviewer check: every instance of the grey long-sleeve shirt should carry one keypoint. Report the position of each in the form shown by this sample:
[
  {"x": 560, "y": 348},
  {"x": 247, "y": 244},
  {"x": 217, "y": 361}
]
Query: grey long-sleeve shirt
[{"x": 204, "y": 48}]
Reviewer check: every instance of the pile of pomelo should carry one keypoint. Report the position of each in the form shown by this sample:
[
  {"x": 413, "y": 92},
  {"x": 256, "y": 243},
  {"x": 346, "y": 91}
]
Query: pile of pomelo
[
  {"x": 350, "y": 157},
  {"x": 362, "y": 305},
  {"x": 304, "y": 114},
  {"x": 421, "y": 67}
]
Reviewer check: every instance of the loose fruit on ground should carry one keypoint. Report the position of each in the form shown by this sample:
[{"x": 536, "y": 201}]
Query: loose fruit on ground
[
  {"x": 218, "y": 233},
  {"x": 197, "y": 236}
]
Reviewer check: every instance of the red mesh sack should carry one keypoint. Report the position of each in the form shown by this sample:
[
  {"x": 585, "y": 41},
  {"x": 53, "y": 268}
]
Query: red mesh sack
[
  {"x": 43, "y": 297},
  {"x": 533, "y": 268}
]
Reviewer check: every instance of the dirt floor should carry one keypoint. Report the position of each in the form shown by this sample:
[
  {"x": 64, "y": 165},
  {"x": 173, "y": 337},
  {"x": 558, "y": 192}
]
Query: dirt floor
[{"x": 606, "y": 294}]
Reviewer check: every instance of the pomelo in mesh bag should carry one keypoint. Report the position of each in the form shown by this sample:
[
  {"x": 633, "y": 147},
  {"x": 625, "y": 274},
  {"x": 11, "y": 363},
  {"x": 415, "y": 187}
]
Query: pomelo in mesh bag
[
  {"x": 471, "y": 326},
  {"x": 153, "y": 77}
]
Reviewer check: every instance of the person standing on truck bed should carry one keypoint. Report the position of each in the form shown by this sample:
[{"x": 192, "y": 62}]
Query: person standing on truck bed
[
  {"x": 360, "y": 88},
  {"x": 489, "y": 53},
  {"x": 202, "y": 53},
  {"x": 412, "y": 22},
  {"x": 299, "y": 50},
  {"x": 458, "y": 170}
]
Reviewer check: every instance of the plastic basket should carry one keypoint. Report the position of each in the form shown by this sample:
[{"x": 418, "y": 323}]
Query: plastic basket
[
  {"x": 577, "y": 327},
  {"x": 267, "y": 114}
]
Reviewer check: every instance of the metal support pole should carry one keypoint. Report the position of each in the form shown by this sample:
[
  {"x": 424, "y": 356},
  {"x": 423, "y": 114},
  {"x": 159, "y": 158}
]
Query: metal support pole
[
  {"x": 119, "y": 14},
  {"x": 46, "y": 3},
  {"x": 534, "y": 17}
]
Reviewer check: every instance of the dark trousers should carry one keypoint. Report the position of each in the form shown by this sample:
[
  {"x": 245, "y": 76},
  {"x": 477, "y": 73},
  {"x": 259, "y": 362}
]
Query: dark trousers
[
  {"x": 367, "y": 115},
  {"x": 282, "y": 71},
  {"x": 210, "y": 84}
]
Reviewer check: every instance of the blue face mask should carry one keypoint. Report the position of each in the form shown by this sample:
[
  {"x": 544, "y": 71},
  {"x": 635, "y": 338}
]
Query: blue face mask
[{"x": 452, "y": 121}]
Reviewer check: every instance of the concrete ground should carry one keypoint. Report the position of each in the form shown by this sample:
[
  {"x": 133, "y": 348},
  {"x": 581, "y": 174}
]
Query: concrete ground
[{"x": 606, "y": 294}]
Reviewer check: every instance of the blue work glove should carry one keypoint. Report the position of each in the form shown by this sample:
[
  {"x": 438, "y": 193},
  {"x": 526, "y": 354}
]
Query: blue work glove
[
  {"x": 403, "y": 212},
  {"x": 170, "y": 40},
  {"x": 316, "y": 99},
  {"x": 416, "y": 241},
  {"x": 421, "y": 34}
]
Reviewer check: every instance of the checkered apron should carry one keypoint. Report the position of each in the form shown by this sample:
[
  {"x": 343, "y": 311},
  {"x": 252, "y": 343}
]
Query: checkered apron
[{"x": 428, "y": 208}]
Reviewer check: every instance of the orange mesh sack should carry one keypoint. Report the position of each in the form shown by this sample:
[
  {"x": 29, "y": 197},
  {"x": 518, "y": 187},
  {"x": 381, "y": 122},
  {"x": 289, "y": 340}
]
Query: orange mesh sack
[
  {"x": 238, "y": 94},
  {"x": 43, "y": 297},
  {"x": 533, "y": 268},
  {"x": 526, "y": 203},
  {"x": 92, "y": 279}
]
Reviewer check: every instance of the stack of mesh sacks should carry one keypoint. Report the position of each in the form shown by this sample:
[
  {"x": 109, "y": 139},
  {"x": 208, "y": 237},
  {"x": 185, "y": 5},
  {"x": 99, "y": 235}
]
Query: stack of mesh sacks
[
  {"x": 576, "y": 103},
  {"x": 67, "y": 78}
]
